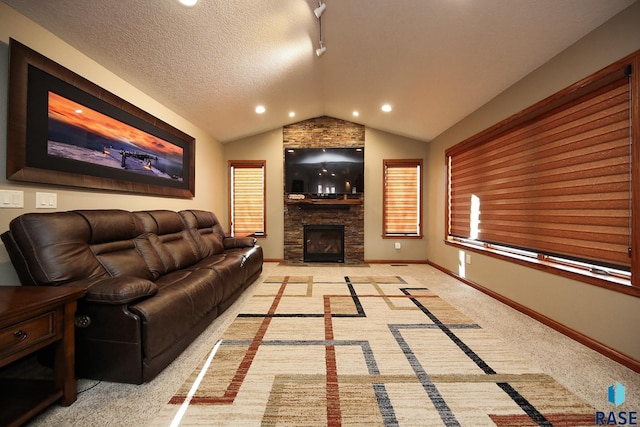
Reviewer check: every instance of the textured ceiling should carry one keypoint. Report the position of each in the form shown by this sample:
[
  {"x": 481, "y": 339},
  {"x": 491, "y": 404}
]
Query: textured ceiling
[{"x": 434, "y": 61}]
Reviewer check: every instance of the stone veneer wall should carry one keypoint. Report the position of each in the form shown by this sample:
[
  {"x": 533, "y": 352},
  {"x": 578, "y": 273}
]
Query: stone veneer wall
[{"x": 323, "y": 132}]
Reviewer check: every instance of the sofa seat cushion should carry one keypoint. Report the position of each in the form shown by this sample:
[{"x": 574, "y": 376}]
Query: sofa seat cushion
[
  {"x": 228, "y": 269},
  {"x": 182, "y": 300},
  {"x": 232, "y": 273},
  {"x": 209, "y": 262}
]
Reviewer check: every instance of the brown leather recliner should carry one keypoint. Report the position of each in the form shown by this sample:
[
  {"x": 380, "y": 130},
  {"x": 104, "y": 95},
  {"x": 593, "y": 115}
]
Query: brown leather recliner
[{"x": 154, "y": 280}]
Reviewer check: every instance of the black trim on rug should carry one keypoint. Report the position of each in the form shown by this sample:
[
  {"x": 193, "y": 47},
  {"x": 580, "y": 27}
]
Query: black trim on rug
[{"x": 523, "y": 403}]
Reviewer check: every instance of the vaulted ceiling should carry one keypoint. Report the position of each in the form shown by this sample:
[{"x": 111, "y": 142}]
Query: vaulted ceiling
[{"x": 433, "y": 61}]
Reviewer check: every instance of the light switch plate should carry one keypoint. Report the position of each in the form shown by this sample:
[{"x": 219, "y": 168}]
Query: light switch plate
[
  {"x": 11, "y": 199},
  {"x": 46, "y": 200}
]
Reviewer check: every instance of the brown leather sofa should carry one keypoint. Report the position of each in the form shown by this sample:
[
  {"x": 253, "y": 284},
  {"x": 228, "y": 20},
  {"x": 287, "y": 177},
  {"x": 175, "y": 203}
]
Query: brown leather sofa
[{"x": 154, "y": 280}]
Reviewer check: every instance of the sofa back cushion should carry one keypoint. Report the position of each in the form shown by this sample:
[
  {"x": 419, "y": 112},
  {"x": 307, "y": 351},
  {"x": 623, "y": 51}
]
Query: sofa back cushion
[
  {"x": 115, "y": 237},
  {"x": 61, "y": 247},
  {"x": 111, "y": 225},
  {"x": 55, "y": 247},
  {"x": 169, "y": 236},
  {"x": 206, "y": 230},
  {"x": 114, "y": 241}
]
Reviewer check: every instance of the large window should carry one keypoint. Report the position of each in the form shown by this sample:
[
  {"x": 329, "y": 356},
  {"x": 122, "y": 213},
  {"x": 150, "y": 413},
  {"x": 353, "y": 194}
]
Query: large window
[
  {"x": 247, "y": 197},
  {"x": 402, "y": 198},
  {"x": 552, "y": 185}
]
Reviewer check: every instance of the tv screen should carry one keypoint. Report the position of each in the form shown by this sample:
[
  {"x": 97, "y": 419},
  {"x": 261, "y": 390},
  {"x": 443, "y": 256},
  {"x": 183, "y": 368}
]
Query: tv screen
[{"x": 324, "y": 170}]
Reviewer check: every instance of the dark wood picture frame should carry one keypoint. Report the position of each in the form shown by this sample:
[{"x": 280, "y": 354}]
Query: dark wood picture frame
[{"x": 32, "y": 77}]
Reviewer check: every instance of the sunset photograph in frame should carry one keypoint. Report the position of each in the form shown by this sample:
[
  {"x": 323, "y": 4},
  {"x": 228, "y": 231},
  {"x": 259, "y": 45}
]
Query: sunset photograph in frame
[{"x": 148, "y": 156}]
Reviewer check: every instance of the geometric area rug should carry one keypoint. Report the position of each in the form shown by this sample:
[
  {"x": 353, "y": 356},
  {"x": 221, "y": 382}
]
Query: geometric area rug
[{"x": 361, "y": 350}]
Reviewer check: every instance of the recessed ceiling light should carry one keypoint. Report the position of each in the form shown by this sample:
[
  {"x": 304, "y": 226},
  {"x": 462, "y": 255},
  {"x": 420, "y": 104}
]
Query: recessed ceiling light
[
  {"x": 188, "y": 2},
  {"x": 292, "y": 114},
  {"x": 260, "y": 109},
  {"x": 356, "y": 114},
  {"x": 386, "y": 108}
]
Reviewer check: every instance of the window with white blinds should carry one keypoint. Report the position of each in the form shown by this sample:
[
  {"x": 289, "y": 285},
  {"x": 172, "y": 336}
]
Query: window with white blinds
[
  {"x": 402, "y": 198},
  {"x": 247, "y": 197},
  {"x": 555, "y": 180}
]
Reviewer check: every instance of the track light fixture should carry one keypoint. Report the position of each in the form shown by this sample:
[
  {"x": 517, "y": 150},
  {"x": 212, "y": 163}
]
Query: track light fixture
[
  {"x": 320, "y": 9},
  {"x": 318, "y": 12}
]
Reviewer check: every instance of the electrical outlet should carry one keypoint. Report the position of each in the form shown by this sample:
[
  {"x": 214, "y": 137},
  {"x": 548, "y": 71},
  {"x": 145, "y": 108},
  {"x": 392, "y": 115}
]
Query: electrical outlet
[
  {"x": 398, "y": 245},
  {"x": 468, "y": 259}
]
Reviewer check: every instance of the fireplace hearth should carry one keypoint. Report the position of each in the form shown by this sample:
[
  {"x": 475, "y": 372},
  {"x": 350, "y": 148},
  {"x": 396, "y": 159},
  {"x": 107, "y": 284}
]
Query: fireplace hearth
[{"x": 323, "y": 243}]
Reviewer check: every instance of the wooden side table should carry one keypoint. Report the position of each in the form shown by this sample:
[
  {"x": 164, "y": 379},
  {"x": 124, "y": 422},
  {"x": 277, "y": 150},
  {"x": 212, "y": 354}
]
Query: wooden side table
[{"x": 31, "y": 318}]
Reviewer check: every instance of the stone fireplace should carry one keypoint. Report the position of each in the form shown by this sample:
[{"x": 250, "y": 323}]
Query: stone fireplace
[
  {"x": 299, "y": 216},
  {"x": 347, "y": 214}
]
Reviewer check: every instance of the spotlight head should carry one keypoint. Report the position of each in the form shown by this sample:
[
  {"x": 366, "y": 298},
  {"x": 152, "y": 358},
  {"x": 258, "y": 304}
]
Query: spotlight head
[
  {"x": 321, "y": 50},
  {"x": 320, "y": 10}
]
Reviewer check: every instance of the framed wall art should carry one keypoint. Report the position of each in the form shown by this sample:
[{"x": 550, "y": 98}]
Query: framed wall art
[{"x": 65, "y": 130}]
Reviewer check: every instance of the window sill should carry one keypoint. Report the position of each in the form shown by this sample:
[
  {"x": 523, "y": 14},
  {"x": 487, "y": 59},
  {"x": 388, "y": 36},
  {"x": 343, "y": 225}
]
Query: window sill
[
  {"x": 256, "y": 235},
  {"x": 613, "y": 283}
]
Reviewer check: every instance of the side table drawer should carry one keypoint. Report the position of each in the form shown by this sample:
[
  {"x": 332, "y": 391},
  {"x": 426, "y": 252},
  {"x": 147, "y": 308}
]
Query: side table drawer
[{"x": 25, "y": 334}]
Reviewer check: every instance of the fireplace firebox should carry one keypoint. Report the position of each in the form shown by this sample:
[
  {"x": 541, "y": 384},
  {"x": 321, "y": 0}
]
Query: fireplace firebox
[{"x": 323, "y": 243}]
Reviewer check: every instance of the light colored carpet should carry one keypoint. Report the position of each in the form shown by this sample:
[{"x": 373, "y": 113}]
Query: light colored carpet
[
  {"x": 364, "y": 350},
  {"x": 546, "y": 353}
]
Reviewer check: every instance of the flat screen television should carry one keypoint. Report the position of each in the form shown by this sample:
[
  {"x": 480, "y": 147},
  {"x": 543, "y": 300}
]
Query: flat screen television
[{"x": 324, "y": 171}]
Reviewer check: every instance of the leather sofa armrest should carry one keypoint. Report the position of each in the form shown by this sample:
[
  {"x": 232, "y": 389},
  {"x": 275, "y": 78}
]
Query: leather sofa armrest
[
  {"x": 118, "y": 290},
  {"x": 239, "y": 242}
]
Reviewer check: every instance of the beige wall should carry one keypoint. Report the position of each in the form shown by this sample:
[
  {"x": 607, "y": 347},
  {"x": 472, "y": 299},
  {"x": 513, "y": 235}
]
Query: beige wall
[
  {"x": 209, "y": 167},
  {"x": 266, "y": 146},
  {"x": 608, "y": 317},
  {"x": 381, "y": 145},
  {"x": 378, "y": 146}
]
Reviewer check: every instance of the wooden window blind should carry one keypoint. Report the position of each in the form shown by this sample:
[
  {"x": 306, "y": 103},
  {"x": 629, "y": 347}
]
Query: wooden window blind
[
  {"x": 557, "y": 183},
  {"x": 402, "y": 200},
  {"x": 247, "y": 205}
]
